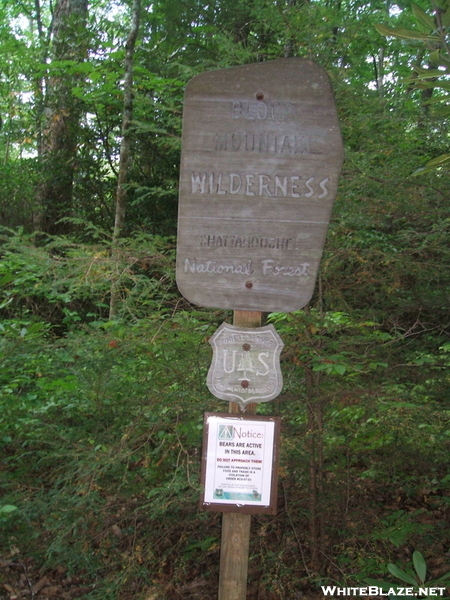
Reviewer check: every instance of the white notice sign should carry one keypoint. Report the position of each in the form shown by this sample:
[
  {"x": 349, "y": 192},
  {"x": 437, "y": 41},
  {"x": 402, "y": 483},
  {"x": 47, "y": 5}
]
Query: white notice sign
[{"x": 238, "y": 462}]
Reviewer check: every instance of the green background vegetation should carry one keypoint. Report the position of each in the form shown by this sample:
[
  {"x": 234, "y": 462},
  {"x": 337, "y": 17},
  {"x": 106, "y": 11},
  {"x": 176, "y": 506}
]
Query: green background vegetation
[{"x": 101, "y": 419}]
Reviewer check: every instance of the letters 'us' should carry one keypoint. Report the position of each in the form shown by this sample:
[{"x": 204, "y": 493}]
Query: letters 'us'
[{"x": 246, "y": 364}]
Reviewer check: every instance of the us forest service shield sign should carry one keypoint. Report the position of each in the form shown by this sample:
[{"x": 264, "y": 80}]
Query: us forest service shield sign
[{"x": 246, "y": 364}]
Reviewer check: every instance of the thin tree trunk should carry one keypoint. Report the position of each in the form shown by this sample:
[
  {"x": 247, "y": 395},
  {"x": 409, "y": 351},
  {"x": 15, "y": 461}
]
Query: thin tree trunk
[
  {"x": 378, "y": 67},
  {"x": 40, "y": 82},
  {"x": 320, "y": 479},
  {"x": 315, "y": 426},
  {"x": 320, "y": 426},
  {"x": 311, "y": 437},
  {"x": 124, "y": 159}
]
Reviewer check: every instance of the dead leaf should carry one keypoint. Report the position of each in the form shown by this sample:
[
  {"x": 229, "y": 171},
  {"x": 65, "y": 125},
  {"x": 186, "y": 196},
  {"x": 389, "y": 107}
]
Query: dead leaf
[
  {"x": 51, "y": 591},
  {"x": 37, "y": 587}
]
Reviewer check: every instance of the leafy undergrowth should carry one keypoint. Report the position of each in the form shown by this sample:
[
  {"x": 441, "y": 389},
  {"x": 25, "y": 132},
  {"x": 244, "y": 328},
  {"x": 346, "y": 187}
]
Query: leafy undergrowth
[
  {"x": 133, "y": 555},
  {"x": 101, "y": 433}
]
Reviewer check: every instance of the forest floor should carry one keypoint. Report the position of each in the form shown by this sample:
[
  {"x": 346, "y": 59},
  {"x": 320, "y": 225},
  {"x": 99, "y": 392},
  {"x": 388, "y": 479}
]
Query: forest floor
[{"x": 22, "y": 578}]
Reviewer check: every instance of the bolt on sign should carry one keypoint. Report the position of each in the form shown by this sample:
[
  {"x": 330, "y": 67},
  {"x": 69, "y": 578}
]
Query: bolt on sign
[
  {"x": 246, "y": 364},
  {"x": 261, "y": 157}
]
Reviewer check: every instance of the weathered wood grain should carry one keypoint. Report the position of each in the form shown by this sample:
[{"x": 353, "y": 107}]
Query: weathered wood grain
[{"x": 261, "y": 157}]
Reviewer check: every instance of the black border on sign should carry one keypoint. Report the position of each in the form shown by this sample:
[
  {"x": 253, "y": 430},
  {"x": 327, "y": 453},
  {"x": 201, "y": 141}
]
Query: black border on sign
[{"x": 270, "y": 509}]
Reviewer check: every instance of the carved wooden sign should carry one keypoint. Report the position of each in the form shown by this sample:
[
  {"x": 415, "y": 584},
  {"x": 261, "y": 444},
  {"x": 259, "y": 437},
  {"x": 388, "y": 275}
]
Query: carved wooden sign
[
  {"x": 261, "y": 157},
  {"x": 246, "y": 364}
]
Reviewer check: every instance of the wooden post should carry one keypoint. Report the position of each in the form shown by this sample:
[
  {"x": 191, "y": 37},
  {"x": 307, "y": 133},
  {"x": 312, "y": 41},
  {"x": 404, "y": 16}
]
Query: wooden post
[{"x": 236, "y": 526}]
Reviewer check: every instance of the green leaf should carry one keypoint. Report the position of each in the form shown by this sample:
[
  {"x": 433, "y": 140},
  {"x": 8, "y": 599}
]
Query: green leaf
[
  {"x": 436, "y": 58},
  {"x": 203, "y": 545},
  {"x": 36, "y": 327},
  {"x": 7, "y": 509},
  {"x": 420, "y": 565},
  {"x": 7, "y": 278},
  {"x": 440, "y": 161},
  {"x": 445, "y": 16},
  {"x": 397, "y": 572},
  {"x": 422, "y": 17},
  {"x": 384, "y": 585},
  {"x": 405, "y": 34},
  {"x": 398, "y": 537},
  {"x": 445, "y": 85},
  {"x": 428, "y": 73},
  {"x": 375, "y": 365}
]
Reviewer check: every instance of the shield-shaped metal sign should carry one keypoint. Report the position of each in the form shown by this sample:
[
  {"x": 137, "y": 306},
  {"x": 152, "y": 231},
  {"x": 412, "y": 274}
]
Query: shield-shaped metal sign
[{"x": 246, "y": 364}]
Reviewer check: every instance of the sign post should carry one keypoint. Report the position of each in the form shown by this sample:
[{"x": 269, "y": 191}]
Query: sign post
[
  {"x": 239, "y": 476},
  {"x": 235, "y": 540},
  {"x": 260, "y": 163}
]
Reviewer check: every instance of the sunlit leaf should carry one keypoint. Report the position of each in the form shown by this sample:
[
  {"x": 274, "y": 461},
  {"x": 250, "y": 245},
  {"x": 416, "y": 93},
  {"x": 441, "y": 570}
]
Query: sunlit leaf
[
  {"x": 440, "y": 161},
  {"x": 7, "y": 509},
  {"x": 406, "y": 34}
]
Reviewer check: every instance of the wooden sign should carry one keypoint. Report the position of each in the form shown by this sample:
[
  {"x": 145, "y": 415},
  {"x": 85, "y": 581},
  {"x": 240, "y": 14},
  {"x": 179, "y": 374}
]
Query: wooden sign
[
  {"x": 240, "y": 463},
  {"x": 246, "y": 364},
  {"x": 261, "y": 156}
]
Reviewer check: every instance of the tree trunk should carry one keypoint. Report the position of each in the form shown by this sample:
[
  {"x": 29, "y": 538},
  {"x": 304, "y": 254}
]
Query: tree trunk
[
  {"x": 62, "y": 111},
  {"x": 124, "y": 159},
  {"x": 378, "y": 67}
]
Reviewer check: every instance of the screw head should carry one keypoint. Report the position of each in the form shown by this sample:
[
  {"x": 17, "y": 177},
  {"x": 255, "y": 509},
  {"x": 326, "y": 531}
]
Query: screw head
[
  {"x": 244, "y": 384},
  {"x": 246, "y": 347},
  {"x": 249, "y": 285}
]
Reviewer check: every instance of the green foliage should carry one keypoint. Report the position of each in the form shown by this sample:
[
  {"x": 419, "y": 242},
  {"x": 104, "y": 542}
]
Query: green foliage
[
  {"x": 6, "y": 510},
  {"x": 432, "y": 32},
  {"x": 398, "y": 527},
  {"x": 415, "y": 578},
  {"x": 106, "y": 415},
  {"x": 101, "y": 436},
  {"x": 64, "y": 282},
  {"x": 100, "y": 422}
]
